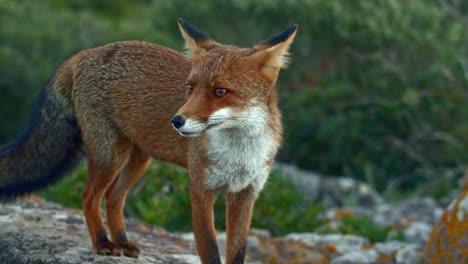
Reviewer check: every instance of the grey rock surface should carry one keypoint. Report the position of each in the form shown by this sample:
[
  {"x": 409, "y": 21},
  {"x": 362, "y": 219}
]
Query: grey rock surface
[
  {"x": 47, "y": 233},
  {"x": 35, "y": 231},
  {"x": 349, "y": 249},
  {"x": 344, "y": 244},
  {"x": 329, "y": 192}
]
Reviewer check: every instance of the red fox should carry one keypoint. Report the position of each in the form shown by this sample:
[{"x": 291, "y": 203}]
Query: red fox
[{"x": 118, "y": 105}]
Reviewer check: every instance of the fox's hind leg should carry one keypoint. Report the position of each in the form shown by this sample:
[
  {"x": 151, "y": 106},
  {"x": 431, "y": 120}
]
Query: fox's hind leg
[
  {"x": 106, "y": 156},
  {"x": 107, "y": 151},
  {"x": 115, "y": 199}
]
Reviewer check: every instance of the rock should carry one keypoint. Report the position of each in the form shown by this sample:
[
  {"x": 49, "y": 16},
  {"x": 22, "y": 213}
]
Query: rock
[
  {"x": 409, "y": 255},
  {"x": 342, "y": 243},
  {"x": 392, "y": 247},
  {"x": 35, "y": 231},
  {"x": 424, "y": 210},
  {"x": 260, "y": 233},
  {"x": 48, "y": 233},
  {"x": 348, "y": 249},
  {"x": 417, "y": 232},
  {"x": 448, "y": 242},
  {"x": 389, "y": 248},
  {"x": 400, "y": 252},
  {"x": 368, "y": 256},
  {"x": 414, "y": 218},
  {"x": 262, "y": 248},
  {"x": 329, "y": 192},
  {"x": 276, "y": 250}
]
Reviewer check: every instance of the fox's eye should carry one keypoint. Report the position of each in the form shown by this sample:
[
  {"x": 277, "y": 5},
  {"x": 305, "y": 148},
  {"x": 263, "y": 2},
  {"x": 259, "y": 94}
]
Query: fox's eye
[
  {"x": 220, "y": 92},
  {"x": 189, "y": 88}
]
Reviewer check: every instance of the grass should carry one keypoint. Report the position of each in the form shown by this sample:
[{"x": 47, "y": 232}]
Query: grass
[
  {"x": 363, "y": 226},
  {"x": 161, "y": 198}
]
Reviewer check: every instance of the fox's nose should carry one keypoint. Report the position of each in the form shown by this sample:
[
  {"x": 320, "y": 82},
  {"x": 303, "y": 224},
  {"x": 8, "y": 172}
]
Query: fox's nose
[{"x": 178, "y": 121}]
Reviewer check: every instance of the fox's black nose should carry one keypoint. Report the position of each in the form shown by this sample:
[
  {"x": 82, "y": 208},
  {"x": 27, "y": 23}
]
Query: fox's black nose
[{"x": 178, "y": 121}]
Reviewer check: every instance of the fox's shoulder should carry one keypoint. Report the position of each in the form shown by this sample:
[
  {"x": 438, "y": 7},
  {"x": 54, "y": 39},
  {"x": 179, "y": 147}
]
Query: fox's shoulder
[
  {"x": 134, "y": 45},
  {"x": 130, "y": 48},
  {"x": 135, "y": 59}
]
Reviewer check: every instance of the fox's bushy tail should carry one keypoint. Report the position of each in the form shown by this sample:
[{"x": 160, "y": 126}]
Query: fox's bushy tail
[{"x": 49, "y": 148}]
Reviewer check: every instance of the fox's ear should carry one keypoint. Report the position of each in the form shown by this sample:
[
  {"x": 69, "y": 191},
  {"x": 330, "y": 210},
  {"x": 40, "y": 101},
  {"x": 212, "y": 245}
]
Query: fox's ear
[
  {"x": 196, "y": 42},
  {"x": 272, "y": 55}
]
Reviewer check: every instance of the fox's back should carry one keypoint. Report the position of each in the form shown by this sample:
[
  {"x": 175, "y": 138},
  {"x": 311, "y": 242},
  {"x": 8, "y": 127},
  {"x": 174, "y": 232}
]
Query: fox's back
[{"x": 139, "y": 86}]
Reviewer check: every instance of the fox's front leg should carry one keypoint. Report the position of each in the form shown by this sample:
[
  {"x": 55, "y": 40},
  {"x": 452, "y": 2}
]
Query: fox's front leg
[
  {"x": 239, "y": 208},
  {"x": 202, "y": 201}
]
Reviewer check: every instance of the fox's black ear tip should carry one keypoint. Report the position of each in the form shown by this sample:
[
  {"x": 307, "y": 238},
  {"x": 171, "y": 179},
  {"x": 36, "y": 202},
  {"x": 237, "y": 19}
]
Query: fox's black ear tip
[
  {"x": 292, "y": 28},
  {"x": 282, "y": 36},
  {"x": 181, "y": 21},
  {"x": 191, "y": 30}
]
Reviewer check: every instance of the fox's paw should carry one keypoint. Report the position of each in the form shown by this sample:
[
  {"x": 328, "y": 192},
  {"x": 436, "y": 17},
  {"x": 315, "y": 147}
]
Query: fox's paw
[
  {"x": 129, "y": 249},
  {"x": 108, "y": 248}
]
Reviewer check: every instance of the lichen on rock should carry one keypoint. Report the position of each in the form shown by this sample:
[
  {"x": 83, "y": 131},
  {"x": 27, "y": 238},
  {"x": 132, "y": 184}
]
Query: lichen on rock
[{"x": 448, "y": 242}]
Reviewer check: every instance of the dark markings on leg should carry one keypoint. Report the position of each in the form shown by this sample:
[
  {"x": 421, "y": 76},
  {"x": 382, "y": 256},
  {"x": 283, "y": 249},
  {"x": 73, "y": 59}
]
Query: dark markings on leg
[
  {"x": 214, "y": 253},
  {"x": 121, "y": 237},
  {"x": 102, "y": 238},
  {"x": 240, "y": 256}
]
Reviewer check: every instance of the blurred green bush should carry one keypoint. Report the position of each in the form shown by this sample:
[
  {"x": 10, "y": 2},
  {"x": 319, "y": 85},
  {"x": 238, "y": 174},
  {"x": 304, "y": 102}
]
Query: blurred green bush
[
  {"x": 363, "y": 226},
  {"x": 377, "y": 89},
  {"x": 161, "y": 198}
]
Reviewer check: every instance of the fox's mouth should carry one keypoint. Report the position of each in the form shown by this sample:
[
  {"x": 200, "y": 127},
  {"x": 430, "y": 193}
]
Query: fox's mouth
[
  {"x": 190, "y": 134},
  {"x": 197, "y": 133},
  {"x": 191, "y": 127},
  {"x": 211, "y": 126}
]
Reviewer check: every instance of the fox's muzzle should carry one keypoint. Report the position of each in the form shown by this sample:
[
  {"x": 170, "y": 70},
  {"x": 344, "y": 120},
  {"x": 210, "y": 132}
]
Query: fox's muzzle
[{"x": 188, "y": 127}]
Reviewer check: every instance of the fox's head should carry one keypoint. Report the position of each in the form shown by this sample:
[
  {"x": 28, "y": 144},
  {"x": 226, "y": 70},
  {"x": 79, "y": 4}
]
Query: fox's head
[{"x": 228, "y": 86}]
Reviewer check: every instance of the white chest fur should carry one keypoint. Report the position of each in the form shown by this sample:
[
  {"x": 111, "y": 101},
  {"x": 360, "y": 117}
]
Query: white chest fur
[{"x": 239, "y": 157}]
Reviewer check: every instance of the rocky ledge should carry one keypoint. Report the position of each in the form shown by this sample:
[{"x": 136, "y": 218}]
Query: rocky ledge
[{"x": 35, "y": 231}]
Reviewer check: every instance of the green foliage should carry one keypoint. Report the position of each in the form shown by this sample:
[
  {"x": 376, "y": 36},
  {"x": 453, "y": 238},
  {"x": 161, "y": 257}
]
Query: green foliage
[
  {"x": 377, "y": 89},
  {"x": 68, "y": 190},
  {"x": 365, "y": 227},
  {"x": 388, "y": 104},
  {"x": 161, "y": 198},
  {"x": 282, "y": 209},
  {"x": 362, "y": 226},
  {"x": 35, "y": 38}
]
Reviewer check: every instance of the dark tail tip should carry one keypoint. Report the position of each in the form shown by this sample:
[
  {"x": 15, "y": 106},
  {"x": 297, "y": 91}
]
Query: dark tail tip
[{"x": 49, "y": 148}]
